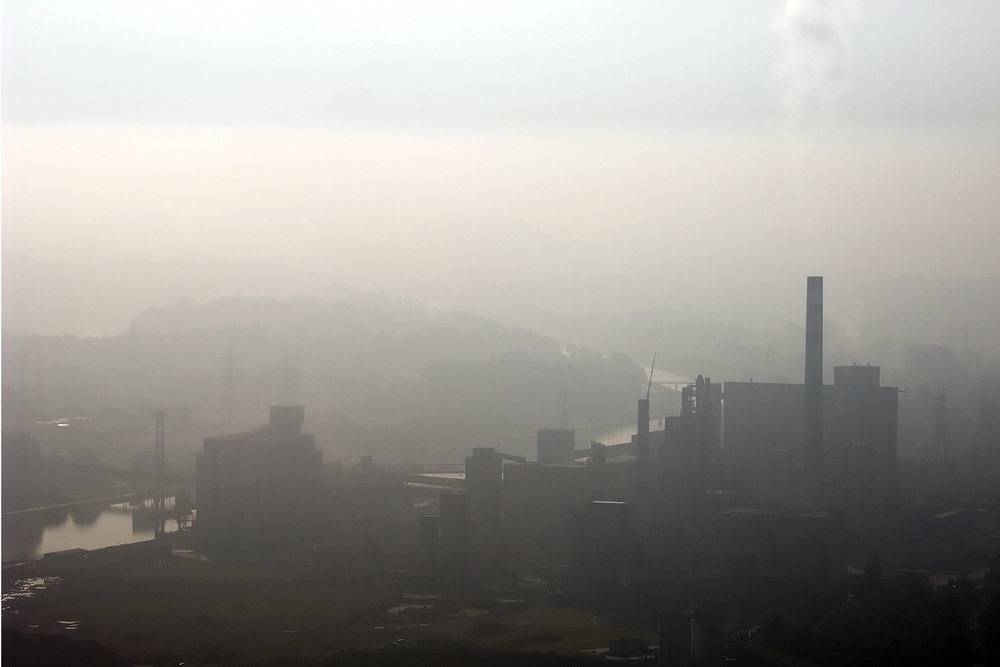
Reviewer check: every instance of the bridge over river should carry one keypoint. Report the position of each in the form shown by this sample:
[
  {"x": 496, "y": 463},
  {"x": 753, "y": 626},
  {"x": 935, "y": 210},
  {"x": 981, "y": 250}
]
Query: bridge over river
[{"x": 107, "y": 472}]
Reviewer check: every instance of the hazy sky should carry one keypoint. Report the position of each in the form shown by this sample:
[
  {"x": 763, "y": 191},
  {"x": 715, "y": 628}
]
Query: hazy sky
[{"x": 544, "y": 155}]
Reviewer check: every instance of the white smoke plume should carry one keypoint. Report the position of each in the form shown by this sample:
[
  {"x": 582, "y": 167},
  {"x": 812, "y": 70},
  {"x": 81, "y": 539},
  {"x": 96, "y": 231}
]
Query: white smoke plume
[{"x": 815, "y": 33}]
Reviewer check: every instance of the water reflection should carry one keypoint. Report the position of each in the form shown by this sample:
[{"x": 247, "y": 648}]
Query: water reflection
[
  {"x": 30, "y": 534},
  {"x": 22, "y": 534},
  {"x": 85, "y": 515},
  {"x": 26, "y": 588}
]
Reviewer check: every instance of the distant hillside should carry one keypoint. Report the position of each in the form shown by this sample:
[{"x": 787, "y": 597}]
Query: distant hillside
[
  {"x": 876, "y": 325},
  {"x": 87, "y": 297},
  {"x": 377, "y": 374}
]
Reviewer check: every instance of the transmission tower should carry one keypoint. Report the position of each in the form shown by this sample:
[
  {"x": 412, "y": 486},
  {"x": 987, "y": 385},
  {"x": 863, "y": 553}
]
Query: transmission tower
[
  {"x": 941, "y": 443},
  {"x": 159, "y": 487}
]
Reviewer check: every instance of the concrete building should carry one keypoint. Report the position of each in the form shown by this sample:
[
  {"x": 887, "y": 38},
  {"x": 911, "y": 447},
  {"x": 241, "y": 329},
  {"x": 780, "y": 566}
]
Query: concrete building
[
  {"x": 934, "y": 535},
  {"x": 764, "y": 426},
  {"x": 484, "y": 484},
  {"x": 555, "y": 445},
  {"x": 260, "y": 490},
  {"x": 841, "y": 436},
  {"x": 429, "y": 540},
  {"x": 860, "y": 461},
  {"x": 790, "y": 545},
  {"x": 453, "y": 548},
  {"x": 538, "y": 498},
  {"x": 610, "y": 533}
]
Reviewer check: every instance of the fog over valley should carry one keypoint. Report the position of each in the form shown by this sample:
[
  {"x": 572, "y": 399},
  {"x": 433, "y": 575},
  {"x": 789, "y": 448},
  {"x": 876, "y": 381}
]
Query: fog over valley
[{"x": 500, "y": 333}]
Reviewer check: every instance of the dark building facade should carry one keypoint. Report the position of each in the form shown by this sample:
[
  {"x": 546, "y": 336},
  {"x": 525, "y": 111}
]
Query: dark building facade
[
  {"x": 556, "y": 445},
  {"x": 260, "y": 490},
  {"x": 453, "y": 547},
  {"x": 484, "y": 484},
  {"x": 764, "y": 442},
  {"x": 538, "y": 498}
]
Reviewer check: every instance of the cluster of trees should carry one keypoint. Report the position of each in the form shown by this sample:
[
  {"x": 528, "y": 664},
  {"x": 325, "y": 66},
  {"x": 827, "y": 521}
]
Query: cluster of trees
[
  {"x": 906, "y": 622},
  {"x": 27, "y": 482}
]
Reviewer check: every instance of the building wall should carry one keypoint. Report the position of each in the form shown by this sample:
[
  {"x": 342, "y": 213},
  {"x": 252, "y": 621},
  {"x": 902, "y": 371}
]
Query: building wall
[
  {"x": 612, "y": 527},
  {"x": 761, "y": 416},
  {"x": 258, "y": 490},
  {"x": 453, "y": 552},
  {"x": 764, "y": 424},
  {"x": 537, "y": 502},
  {"x": 484, "y": 484},
  {"x": 539, "y": 499},
  {"x": 779, "y": 544},
  {"x": 555, "y": 445}
]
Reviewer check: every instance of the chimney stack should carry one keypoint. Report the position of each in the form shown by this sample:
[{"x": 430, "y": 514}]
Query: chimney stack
[
  {"x": 812, "y": 460},
  {"x": 642, "y": 448}
]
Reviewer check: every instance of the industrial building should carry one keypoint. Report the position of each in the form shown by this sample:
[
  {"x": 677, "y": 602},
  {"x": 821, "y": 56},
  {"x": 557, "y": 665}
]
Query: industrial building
[
  {"x": 453, "y": 548},
  {"x": 484, "y": 484},
  {"x": 556, "y": 445},
  {"x": 753, "y": 486},
  {"x": 757, "y": 479},
  {"x": 539, "y": 498},
  {"x": 260, "y": 490},
  {"x": 764, "y": 424}
]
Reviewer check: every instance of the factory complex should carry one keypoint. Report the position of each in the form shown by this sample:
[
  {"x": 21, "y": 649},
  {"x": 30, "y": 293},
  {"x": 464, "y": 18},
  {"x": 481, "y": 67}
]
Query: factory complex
[{"x": 754, "y": 491}]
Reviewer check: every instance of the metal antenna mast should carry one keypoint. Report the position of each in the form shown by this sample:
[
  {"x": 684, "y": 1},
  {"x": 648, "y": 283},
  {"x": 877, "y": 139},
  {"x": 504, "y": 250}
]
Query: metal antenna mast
[{"x": 649, "y": 387}]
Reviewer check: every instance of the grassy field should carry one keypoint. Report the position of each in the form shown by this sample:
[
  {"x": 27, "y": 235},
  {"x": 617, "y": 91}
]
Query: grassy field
[
  {"x": 178, "y": 609},
  {"x": 204, "y": 611}
]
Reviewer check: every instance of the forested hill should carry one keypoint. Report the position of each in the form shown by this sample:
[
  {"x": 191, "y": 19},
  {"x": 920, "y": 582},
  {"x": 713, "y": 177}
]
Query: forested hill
[
  {"x": 378, "y": 374},
  {"x": 385, "y": 331}
]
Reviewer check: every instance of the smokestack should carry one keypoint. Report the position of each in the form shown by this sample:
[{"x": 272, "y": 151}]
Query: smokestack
[
  {"x": 812, "y": 461},
  {"x": 642, "y": 448}
]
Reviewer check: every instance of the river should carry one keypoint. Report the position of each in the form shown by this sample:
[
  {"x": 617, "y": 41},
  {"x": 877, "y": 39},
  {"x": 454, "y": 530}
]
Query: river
[
  {"x": 621, "y": 428},
  {"x": 30, "y": 534}
]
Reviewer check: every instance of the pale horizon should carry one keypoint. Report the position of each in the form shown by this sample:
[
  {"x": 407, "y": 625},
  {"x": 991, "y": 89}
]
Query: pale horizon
[{"x": 576, "y": 159}]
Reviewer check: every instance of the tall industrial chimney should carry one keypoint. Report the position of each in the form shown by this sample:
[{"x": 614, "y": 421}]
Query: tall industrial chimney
[
  {"x": 642, "y": 448},
  {"x": 812, "y": 460}
]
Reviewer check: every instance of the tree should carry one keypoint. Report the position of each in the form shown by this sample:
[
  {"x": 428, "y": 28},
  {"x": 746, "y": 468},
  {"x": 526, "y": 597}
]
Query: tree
[{"x": 873, "y": 581}]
